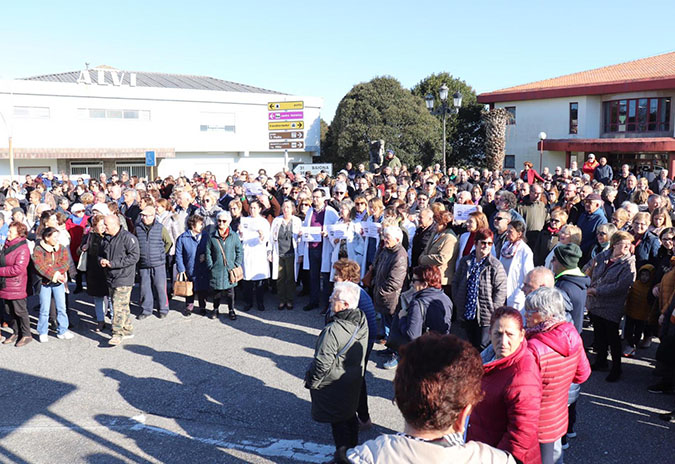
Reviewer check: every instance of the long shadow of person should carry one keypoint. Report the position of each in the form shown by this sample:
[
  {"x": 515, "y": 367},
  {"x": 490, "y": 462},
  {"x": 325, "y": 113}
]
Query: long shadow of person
[
  {"x": 208, "y": 396},
  {"x": 297, "y": 366}
]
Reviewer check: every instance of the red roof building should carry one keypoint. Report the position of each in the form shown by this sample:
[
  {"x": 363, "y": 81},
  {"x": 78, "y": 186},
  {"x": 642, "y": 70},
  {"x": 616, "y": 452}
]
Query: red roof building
[{"x": 622, "y": 112}]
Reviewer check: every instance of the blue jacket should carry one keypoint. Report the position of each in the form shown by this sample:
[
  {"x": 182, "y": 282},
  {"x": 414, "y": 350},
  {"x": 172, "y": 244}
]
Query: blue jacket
[
  {"x": 368, "y": 308},
  {"x": 603, "y": 174},
  {"x": 191, "y": 259},
  {"x": 647, "y": 250},
  {"x": 574, "y": 284},
  {"x": 430, "y": 311},
  {"x": 588, "y": 223}
]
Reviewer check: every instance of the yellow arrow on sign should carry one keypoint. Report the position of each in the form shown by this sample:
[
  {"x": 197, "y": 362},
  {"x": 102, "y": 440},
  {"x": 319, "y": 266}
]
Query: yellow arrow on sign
[
  {"x": 293, "y": 105},
  {"x": 285, "y": 125}
]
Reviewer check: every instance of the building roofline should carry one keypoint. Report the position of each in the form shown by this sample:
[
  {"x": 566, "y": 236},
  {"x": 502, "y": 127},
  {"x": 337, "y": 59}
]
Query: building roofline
[{"x": 638, "y": 85}]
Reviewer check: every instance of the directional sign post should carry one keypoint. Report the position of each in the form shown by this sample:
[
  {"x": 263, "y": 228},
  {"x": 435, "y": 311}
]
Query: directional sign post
[
  {"x": 286, "y": 135},
  {"x": 286, "y": 145},
  {"x": 285, "y": 115},
  {"x": 286, "y": 125},
  {"x": 292, "y": 105}
]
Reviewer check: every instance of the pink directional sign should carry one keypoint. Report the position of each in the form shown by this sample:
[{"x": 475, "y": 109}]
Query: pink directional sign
[{"x": 275, "y": 116}]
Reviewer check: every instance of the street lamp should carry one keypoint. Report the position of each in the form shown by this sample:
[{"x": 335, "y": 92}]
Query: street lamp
[
  {"x": 444, "y": 110},
  {"x": 542, "y": 137}
]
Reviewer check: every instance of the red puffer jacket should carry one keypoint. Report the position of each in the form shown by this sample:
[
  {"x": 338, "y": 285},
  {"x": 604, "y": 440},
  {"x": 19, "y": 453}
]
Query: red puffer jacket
[
  {"x": 15, "y": 271},
  {"x": 508, "y": 416},
  {"x": 560, "y": 354}
]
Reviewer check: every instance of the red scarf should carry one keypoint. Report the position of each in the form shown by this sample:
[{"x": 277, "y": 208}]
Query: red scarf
[{"x": 469, "y": 244}]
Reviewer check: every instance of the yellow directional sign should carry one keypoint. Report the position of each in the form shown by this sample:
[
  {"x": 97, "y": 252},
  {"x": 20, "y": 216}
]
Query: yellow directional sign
[
  {"x": 293, "y": 105},
  {"x": 285, "y": 125}
]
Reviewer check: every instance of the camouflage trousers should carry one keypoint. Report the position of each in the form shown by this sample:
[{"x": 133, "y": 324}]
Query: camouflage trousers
[{"x": 121, "y": 324}]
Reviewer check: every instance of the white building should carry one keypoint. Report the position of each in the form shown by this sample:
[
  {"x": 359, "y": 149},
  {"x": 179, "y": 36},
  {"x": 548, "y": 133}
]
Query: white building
[
  {"x": 622, "y": 112},
  {"x": 97, "y": 120}
]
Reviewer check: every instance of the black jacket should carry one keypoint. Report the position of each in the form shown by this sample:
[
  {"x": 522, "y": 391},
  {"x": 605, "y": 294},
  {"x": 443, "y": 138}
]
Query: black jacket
[
  {"x": 430, "y": 311},
  {"x": 574, "y": 285},
  {"x": 420, "y": 240},
  {"x": 122, "y": 252}
]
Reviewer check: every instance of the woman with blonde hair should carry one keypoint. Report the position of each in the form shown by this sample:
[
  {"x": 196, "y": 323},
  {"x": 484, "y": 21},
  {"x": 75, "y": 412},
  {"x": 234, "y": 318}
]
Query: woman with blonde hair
[
  {"x": 569, "y": 233},
  {"x": 660, "y": 221}
]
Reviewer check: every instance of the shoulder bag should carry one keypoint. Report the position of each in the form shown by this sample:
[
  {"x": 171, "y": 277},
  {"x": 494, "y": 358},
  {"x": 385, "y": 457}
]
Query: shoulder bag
[
  {"x": 235, "y": 274},
  {"x": 182, "y": 286},
  {"x": 82, "y": 261}
]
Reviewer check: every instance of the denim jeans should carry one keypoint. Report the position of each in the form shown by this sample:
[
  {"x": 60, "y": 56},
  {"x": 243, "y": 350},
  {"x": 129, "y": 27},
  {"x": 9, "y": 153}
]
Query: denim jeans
[
  {"x": 99, "y": 307},
  {"x": 59, "y": 294}
]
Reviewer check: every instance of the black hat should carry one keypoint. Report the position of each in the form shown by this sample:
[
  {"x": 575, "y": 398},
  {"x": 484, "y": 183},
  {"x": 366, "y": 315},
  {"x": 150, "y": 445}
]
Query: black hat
[{"x": 568, "y": 255}]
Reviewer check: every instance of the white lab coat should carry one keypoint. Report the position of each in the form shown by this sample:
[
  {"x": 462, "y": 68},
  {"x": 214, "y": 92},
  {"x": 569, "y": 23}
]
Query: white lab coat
[
  {"x": 521, "y": 263},
  {"x": 329, "y": 218},
  {"x": 296, "y": 224},
  {"x": 355, "y": 245},
  {"x": 255, "y": 264}
]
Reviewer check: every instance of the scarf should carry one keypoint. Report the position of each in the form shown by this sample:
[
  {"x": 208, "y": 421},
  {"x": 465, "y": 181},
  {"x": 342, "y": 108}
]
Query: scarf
[
  {"x": 469, "y": 244},
  {"x": 509, "y": 249},
  {"x": 543, "y": 326},
  {"x": 77, "y": 220},
  {"x": 552, "y": 230},
  {"x": 473, "y": 284}
]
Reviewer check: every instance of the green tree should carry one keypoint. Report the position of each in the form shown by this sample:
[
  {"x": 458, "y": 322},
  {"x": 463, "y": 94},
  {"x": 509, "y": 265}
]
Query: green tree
[
  {"x": 323, "y": 131},
  {"x": 465, "y": 133},
  {"x": 382, "y": 109}
]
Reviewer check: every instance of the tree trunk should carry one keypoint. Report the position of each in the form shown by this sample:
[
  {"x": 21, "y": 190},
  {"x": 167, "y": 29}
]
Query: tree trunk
[{"x": 495, "y": 137}]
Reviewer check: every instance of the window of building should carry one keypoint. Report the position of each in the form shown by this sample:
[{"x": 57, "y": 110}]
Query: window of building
[
  {"x": 93, "y": 170},
  {"x": 217, "y": 122},
  {"x": 132, "y": 168},
  {"x": 574, "y": 117},
  {"x": 512, "y": 112},
  {"x": 637, "y": 115},
  {"x": 31, "y": 112},
  {"x": 509, "y": 162},
  {"x": 100, "y": 113}
]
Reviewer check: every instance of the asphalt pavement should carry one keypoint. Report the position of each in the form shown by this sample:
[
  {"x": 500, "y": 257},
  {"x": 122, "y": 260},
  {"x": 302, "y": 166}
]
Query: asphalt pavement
[{"x": 192, "y": 389}]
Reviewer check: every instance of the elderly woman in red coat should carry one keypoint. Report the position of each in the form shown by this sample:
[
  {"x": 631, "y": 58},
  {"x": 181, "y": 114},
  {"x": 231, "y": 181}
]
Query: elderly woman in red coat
[
  {"x": 14, "y": 272},
  {"x": 559, "y": 352},
  {"x": 508, "y": 415},
  {"x": 529, "y": 174}
]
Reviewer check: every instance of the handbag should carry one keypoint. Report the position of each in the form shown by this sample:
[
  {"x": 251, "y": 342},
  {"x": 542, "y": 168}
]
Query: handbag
[
  {"x": 236, "y": 274},
  {"x": 82, "y": 261},
  {"x": 367, "y": 280},
  {"x": 182, "y": 286}
]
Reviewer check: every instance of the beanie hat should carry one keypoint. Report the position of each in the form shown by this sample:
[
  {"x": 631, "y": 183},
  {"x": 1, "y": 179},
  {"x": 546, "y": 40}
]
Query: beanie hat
[{"x": 568, "y": 255}]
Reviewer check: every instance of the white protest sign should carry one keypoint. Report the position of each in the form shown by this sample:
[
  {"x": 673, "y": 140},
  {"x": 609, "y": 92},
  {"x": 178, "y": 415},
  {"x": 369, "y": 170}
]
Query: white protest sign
[{"x": 461, "y": 212}]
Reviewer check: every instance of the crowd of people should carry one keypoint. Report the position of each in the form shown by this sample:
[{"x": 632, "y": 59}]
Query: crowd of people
[{"x": 511, "y": 261}]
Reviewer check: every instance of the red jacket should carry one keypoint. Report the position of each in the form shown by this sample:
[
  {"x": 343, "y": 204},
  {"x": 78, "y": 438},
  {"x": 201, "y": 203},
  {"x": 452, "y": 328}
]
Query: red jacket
[
  {"x": 560, "y": 354},
  {"x": 530, "y": 176},
  {"x": 589, "y": 167},
  {"x": 15, "y": 271},
  {"x": 76, "y": 233},
  {"x": 49, "y": 260},
  {"x": 508, "y": 416}
]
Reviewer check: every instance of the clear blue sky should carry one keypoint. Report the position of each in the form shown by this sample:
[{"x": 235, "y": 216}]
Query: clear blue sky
[{"x": 322, "y": 49}]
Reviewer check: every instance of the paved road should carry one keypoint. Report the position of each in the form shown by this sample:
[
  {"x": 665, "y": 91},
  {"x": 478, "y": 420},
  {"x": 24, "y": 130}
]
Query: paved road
[{"x": 200, "y": 390}]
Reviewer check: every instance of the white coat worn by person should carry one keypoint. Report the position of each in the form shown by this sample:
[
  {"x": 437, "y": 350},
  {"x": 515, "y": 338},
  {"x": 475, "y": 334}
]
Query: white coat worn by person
[
  {"x": 318, "y": 263},
  {"x": 255, "y": 233},
  {"x": 353, "y": 244}
]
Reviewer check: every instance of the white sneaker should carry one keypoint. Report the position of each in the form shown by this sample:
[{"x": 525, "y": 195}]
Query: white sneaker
[
  {"x": 44, "y": 338},
  {"x": 65, "y": 336}
]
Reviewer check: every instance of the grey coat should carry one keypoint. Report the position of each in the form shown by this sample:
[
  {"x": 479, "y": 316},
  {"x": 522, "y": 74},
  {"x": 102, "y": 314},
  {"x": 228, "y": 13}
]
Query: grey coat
[
  {"x": 389, "y": 272},
  {"x": 611, "y": 284},
  {"x": 491, "y": 288},
  {"x": 335, "y": 381}
]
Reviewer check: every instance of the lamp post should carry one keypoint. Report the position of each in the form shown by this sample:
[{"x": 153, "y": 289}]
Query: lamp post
[
  {"x": 444, "y": 110},
  {"x": 542, "y": 137}
]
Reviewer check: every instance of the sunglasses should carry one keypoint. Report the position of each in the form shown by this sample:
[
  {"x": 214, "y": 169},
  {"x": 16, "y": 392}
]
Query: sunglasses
[
  {"x": 486, "y": 243},
  {"x": 222, "y": 221}
]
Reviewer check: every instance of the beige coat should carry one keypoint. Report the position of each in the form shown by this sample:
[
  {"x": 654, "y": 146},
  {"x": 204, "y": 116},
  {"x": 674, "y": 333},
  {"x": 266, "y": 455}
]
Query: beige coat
[
  {"x": 441, "y": 251},
  {"x": 400, "y": 449}
]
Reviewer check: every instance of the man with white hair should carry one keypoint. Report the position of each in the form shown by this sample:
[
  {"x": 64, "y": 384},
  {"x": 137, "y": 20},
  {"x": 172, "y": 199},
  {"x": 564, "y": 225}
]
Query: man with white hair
[
  {"x": 661, "y": 183},
  {"x": 590, "y": 165},
  {"x": 389, "y": 272}
]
